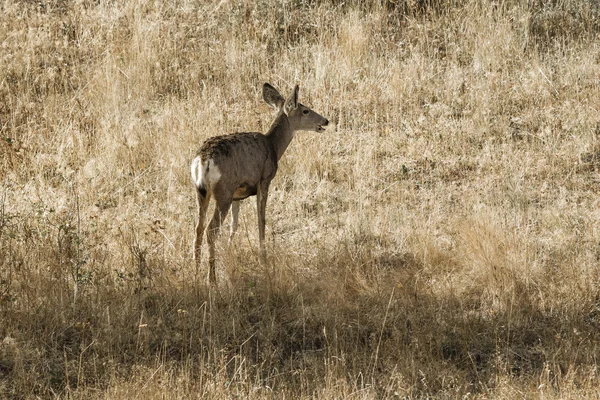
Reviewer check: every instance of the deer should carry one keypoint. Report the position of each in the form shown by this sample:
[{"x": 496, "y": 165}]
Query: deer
[{"x": 230, "y": 168}]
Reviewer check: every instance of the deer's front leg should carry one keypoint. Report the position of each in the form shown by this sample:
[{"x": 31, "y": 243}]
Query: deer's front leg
[{"x": 261, "y": 205}]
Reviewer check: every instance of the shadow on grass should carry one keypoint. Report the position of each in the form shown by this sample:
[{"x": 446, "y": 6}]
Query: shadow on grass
[{"x": 363, "y": 319}]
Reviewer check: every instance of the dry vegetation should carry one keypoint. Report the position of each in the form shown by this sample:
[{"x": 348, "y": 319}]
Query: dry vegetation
[{"x": 441, "y": 239}]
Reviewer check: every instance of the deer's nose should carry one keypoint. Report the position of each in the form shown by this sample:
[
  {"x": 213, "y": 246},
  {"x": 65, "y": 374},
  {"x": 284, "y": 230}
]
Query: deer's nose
[{"x": 326, "y": 122}]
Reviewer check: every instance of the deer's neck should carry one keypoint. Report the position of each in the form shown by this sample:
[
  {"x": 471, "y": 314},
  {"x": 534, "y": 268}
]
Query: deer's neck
[{"x": 280, "y": 134}]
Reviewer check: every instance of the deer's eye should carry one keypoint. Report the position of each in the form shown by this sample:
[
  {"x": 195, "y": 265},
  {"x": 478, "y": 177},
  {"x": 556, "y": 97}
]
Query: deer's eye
[{"x": 305, "y": 112}]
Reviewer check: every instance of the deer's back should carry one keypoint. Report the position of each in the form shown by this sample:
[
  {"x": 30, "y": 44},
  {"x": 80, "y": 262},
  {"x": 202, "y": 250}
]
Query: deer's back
[{"x": 244, "y": 158}]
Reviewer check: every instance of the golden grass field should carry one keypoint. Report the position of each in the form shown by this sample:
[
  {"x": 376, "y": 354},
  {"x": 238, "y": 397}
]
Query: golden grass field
[{"x": 440, "y": 240}]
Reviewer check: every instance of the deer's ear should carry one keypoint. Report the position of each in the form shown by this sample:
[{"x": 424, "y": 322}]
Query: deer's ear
[
  {"x": 272, "y": 97},
  {"x": 292, "y": 102}
]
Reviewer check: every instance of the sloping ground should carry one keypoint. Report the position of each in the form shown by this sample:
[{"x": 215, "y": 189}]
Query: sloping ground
[{"x": 440, "y": 239}]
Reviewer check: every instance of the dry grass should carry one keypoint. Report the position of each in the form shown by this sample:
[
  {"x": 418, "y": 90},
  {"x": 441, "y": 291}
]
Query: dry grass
[{"x": 441, "y": 240}]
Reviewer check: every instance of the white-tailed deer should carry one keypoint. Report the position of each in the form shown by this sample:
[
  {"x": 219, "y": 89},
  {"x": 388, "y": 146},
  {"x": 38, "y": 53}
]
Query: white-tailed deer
[{"x": 230, "y": 168}]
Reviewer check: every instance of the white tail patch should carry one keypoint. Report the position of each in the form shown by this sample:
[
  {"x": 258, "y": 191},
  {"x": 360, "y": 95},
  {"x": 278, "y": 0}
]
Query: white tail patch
[
  {"x": 204, "y": 174},
  {"x": 197, "y": 171}
]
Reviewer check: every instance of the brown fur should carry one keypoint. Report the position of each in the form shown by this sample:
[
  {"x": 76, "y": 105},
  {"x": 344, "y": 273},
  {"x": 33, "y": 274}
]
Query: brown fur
[
  {"x": 246, "y": 163},
  {"x": 245, "y": 158}
]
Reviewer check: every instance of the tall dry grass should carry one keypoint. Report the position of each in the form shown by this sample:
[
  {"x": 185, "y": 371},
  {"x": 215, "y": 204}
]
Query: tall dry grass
[{"x": 440, "y": 240}]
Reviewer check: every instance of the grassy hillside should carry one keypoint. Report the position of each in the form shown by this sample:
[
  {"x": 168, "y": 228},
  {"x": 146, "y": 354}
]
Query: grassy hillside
[{"x": 441, "y": 239}]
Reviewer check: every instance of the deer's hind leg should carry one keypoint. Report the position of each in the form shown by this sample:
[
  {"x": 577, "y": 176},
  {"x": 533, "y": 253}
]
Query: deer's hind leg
[
  {"x": 235, "y": 211},
  {"x": 212, "y": 234},
  {"x": 202, "y": 200}
]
